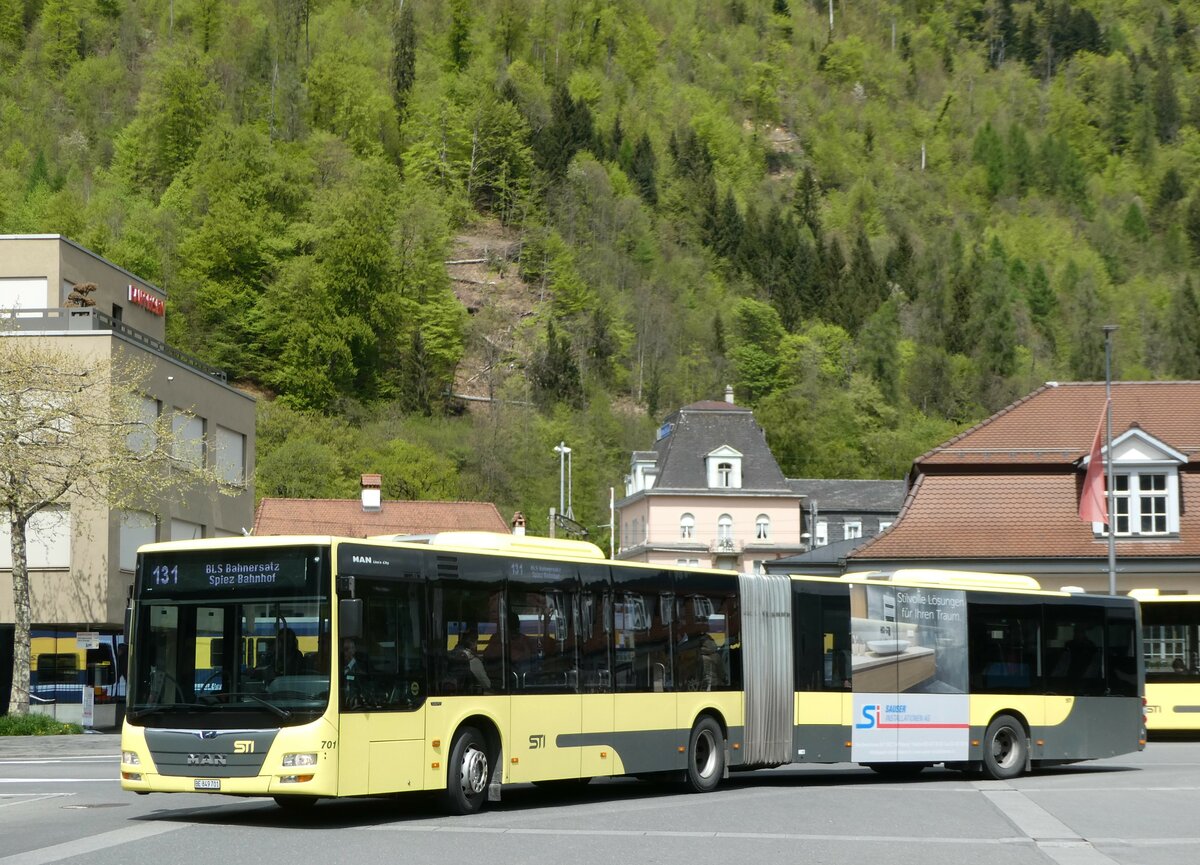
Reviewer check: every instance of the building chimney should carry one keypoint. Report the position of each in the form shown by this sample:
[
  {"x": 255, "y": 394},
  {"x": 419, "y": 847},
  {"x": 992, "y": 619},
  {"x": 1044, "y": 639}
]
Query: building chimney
[
  {"x": 729, "y": 394},
  {"x": 371, "y": 492},
  {"x": 518, "y": 524}
]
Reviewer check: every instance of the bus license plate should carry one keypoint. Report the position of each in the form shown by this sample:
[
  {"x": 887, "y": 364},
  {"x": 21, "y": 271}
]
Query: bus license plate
[{"x": 208, "y": 783}]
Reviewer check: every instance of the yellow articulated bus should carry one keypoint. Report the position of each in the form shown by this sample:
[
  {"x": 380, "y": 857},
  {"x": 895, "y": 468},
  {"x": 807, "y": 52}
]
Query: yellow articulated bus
[
  {"x": 482, "y": 660},
  {"x": 1172, "y": 651}
]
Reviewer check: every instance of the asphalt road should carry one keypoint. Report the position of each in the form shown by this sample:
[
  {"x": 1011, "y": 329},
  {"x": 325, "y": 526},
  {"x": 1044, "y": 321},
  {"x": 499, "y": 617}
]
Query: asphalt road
[{"x": 60, "y": 803}]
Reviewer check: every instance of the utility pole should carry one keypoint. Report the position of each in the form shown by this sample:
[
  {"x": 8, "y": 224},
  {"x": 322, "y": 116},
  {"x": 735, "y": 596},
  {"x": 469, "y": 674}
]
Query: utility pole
[{"x": 1108, "y": 461}]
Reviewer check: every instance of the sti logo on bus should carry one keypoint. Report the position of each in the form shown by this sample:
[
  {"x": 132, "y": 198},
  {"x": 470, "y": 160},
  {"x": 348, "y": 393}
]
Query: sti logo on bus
[
  {"x": 537, "y": 740},
  {"x": 243, "y": 746}
]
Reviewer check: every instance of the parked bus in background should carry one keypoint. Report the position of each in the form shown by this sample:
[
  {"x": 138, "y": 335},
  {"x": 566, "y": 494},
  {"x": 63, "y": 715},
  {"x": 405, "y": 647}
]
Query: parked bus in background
[
  {"x": 1172, "y": 650},
  {"x": 481, "y": 660},
  {"x": 64, "y": 662}
]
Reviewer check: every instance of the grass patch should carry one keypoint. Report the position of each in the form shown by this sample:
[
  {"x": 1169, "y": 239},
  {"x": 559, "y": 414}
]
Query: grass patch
[{"x": 35, "y": 725}]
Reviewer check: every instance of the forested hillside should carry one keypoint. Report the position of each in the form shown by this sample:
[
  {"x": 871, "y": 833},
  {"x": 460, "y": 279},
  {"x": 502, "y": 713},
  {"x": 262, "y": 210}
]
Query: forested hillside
[{"x": 878, "y": 221}]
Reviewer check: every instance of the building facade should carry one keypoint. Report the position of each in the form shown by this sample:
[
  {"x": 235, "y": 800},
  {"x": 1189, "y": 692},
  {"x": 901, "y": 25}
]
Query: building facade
[
  {"x": 709, "y": 493},
  {"x": 1004, "y": 495},
  {"x": 81, "y": 555}
]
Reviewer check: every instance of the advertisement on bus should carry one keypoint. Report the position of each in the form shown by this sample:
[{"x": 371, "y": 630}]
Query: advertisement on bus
[{"x": 909, "y": 661}]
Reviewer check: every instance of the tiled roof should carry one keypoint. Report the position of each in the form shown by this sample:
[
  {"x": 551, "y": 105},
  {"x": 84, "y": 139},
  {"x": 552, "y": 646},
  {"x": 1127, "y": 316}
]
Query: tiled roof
[
  {"x": 1009, "y": 487},
  {"x": 1056, "y": 423},
  {"x": 346, "y": 517},
  {"x": 1015, "y": 516}
]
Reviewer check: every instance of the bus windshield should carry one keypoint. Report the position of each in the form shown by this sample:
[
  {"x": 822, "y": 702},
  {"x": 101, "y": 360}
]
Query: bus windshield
[{"x": 252, "y": 649}]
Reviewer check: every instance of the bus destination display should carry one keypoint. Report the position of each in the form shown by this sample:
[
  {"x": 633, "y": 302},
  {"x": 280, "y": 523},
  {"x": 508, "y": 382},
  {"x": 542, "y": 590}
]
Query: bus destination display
[{"x": 224, "y": 573}]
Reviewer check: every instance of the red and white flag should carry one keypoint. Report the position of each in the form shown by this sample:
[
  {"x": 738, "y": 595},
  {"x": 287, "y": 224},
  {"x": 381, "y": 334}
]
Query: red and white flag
[{"x": 1092, "y": 505}]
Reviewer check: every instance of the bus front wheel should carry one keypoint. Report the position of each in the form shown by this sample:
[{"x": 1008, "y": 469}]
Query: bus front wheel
[
  {"x": 1005, "y": 748},
  {"x": 706, "y": 756},
  {"x": 467, "y": 773}
]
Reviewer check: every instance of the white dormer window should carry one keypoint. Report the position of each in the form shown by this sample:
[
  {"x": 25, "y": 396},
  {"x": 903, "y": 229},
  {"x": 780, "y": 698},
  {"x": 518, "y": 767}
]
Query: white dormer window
[
  {"x": 1145, "y": 486},
  {"x": 724, "y": 468}
]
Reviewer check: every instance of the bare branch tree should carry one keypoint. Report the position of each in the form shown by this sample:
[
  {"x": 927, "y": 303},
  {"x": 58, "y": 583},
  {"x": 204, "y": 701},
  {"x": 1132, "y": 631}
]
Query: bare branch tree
[{"x": 72, "y": 429}]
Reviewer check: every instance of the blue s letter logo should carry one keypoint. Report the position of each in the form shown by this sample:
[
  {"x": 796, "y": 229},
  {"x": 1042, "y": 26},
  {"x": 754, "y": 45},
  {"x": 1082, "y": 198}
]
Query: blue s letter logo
[{"x": 868, "y": 711}]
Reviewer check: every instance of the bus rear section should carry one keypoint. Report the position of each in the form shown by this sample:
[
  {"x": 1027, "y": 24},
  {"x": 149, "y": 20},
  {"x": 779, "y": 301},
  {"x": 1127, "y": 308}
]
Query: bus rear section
[{"x": 972, "y": 672}]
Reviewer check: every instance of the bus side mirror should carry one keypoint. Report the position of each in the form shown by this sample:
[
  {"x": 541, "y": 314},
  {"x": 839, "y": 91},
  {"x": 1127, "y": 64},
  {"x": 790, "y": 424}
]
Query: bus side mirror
[{"x": 350, "y": 617}]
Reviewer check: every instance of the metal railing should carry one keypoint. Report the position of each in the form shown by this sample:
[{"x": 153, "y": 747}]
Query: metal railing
[{"x": 90, "y": 318}]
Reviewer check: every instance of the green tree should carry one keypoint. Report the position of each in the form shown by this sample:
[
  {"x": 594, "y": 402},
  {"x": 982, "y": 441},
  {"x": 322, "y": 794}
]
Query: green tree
[
  {"x": 458, "y": 37},
  {"x": 988, "y": 151},
  {"x": 1167, "y": 112},
  {"x": 177, "y": 104},
  {"x": 553, "y": 373},
  {"x": 1183, "y": 331},
  {"x": 878, "y": 348},
  {"x": 404, "y": 55}
]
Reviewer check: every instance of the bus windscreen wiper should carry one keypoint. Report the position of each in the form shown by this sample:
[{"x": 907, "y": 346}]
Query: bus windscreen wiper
[
  {"x": 278, "y": 710},
  {"x": 168, "y": 707}
]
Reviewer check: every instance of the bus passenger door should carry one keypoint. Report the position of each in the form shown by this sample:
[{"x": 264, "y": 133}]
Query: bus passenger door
[{"x": 543, "y": 673}]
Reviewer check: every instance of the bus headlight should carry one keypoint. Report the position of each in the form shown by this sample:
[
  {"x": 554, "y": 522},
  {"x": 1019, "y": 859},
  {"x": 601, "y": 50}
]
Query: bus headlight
[
  {"x": 130, "y": 758},
  {"x": 299, "y": 760}
]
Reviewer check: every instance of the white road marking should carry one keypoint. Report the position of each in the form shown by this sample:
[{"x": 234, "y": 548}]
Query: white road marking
[
  {"x": 652, "y": 833},
  {"x": 36, "y": 761},
  {"x": 85, "y": 846},
  {"x": 1053, "y": 837},
  {"x": 26, "y": 798}
]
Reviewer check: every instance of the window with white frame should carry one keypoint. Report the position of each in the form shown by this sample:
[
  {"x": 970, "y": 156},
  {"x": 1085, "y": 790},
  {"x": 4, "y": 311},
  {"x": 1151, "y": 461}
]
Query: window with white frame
[
  {"x": 1141, "y": 502},
  {"x": 137, "y": 528},
  {"x": 231, "y": 456},
  {"x": 189, "y": 439},
  {"x": 687, "y": 527},
  {"x": 1145, "y": 487},
  {"x": 725, "y": 532},
  {"x": 885, "y": 524},
  {"x": 852, "y": 529},
  {"x": 723, "y": 468},
  {"x": 183, "y": 530},
  {"x": 762, "y": 527},
  {"x": 47, "y": 539},
  {"x": 694, "y": 563},
  {"x": 821, "y": 538}
]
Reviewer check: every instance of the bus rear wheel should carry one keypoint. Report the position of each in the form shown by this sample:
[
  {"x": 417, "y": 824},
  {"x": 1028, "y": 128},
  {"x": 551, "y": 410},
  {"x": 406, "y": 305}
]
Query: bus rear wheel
[
  {"x": 705, "y": 757},
  {"x": 1005, "y": 748},
  {"x": 467, "y": 773}
]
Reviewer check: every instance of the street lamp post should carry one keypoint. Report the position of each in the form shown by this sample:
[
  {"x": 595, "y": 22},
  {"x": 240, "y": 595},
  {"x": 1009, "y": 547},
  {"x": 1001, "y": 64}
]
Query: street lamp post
[{"x": 563, "y": 452}]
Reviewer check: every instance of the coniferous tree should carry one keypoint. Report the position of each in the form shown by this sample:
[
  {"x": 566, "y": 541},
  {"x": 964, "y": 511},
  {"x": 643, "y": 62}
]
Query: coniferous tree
[
  {"x": 832, "y": 267},
  {"x": 1183, "y": 332},
  {"x": 1167, "y": 111},
  {"x": 643, "y": 169},
  {"x": 569, "y": 131},
  {"x": 404, "y": 55},
  {"x": 808, "y": 202},
  {"x": 554, "y": 374},
  {"x": 1135, "y": 223},
  {"x": 878, "y": 350},
  {"x": 1085, "y": 313},
  {"x": 1019, "y": 160},
  {"x": 728, "y": 235},
  {"x": 1170, "y": 191},
  {"x": 458, "y": 37},
  {"x": 900, "y": 265},
  {"x": 1191, "y": 225},
  {"x": 989, "y": 153}
]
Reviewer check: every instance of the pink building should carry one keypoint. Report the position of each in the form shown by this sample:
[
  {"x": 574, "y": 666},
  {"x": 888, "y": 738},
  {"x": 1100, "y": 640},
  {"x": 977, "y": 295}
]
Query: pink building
[{"x": 711, "y": 494}]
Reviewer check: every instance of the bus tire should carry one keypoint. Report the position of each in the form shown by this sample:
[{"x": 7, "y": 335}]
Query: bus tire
[
  {"x": 705, "y": 757},
  {"x": 467, "y": 773},
  {"x": 1005, "y": 748}
]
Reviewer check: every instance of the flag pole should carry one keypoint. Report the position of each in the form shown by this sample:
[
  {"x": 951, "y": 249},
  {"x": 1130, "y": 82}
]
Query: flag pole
[{"x": 1108, "y": 462}]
